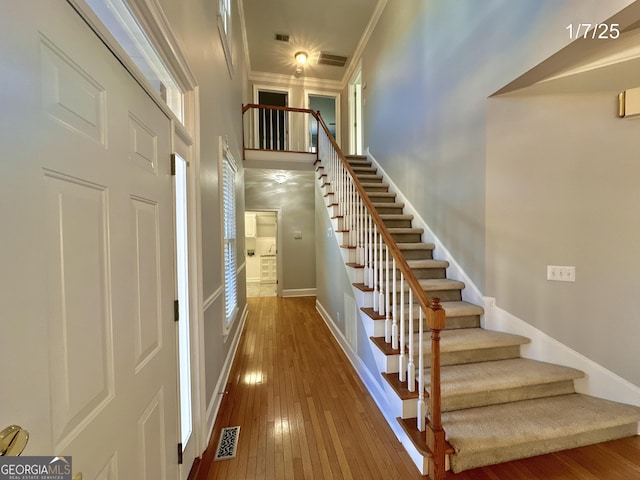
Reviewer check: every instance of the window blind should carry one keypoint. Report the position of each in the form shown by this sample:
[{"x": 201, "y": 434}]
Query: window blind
[{"x": 229, "y": 209}]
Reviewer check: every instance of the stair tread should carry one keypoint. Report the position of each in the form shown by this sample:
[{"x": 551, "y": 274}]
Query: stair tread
[
  {"x": 432, "y": 284},
  {"x": 500, "y": 374},
  {"x": 381, "y": 194},
  {"x": 395, "y": 216},
  {"x": 416, "y": 246},
  {"x": 473, "y": 339},
  {"x": 460, "y": 308},
  {"x": 374, "y": 184},
  {"x": 427, "y": 263},
  {"x": 405, "y": 230},
  {"x": 454, "y": 308},
  {"x": 502, "y": 426}
]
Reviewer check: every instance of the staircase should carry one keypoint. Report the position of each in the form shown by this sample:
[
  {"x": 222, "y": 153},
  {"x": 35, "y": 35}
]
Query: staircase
[{"x": 496, "y": 405}]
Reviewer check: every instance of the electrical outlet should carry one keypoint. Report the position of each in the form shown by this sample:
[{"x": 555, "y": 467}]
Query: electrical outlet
[{"x": 560, "y": 273}]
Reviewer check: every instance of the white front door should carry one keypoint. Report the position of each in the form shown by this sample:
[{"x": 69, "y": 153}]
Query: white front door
[{"x": 88, "y": 337}]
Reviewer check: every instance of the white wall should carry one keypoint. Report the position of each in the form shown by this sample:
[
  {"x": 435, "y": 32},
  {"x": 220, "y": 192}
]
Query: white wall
[
  {"x": 501, "y": 181},
  {"x": 294, "y": 199},
  {"x": 429, "y": 68},
  {"x": 512, "y": 184},
  {"x": 562, "y": 174}
]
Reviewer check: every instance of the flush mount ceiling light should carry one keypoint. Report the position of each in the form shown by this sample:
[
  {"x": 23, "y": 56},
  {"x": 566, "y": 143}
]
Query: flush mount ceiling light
[
  {"x": 301, "y": 58},
  {"x": 280, "y": 177}
]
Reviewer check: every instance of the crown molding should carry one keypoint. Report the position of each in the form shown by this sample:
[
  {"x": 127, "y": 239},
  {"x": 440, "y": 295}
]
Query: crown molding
[
  {"x": 364, "y": 39},
  {"x": 291, "y": 80}
]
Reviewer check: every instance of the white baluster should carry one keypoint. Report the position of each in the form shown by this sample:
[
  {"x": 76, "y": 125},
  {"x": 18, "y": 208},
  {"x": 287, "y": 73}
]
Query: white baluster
[
  {"x": 365, "y": 236},
  {"x": 374, "y": 271},
  {"x": 422, "y": 413},
  {"x": 359, "y": 221},
  {"x": 381, "y": 304},
  {"x": 388, "y": 329},
  {"x": 394, "y": 300},
  {"x": 411, "y": 369},
  {"x": 403, "y": 365}
]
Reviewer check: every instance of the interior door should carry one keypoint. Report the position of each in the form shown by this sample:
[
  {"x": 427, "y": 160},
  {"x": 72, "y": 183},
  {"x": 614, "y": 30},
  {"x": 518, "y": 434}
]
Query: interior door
[{"x": 87, "y": 285}]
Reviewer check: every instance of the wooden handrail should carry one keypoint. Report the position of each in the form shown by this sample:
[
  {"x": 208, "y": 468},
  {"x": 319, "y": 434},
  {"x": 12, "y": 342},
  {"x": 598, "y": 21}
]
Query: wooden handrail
[{"x": 249, "y": 106}]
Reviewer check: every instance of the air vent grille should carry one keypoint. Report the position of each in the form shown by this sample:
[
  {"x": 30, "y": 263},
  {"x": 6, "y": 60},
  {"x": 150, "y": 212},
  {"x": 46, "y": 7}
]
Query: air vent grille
[
  {"x": 329, "y": 59},
  {"x": 282, "y": 37}
]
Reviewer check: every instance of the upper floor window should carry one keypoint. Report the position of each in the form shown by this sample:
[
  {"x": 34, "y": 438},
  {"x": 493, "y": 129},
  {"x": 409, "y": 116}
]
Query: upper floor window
[
  {"x": 225, "y": 15},
  {"x": 224, "y": 27},
  {"x": 121, "y": 23}
]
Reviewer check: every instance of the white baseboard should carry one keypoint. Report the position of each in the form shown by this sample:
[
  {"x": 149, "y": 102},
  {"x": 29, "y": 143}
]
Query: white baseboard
[
  {"x": 300, "y": 292},
  {"x": 374, "y": 387},
  {"x": 214, "y": 405},
  {"x": 471, "y": 293},
  {"x": 598, "y": 381}
]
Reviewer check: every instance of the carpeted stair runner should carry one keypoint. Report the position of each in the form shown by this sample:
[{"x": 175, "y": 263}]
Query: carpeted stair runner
[
  {"x": 496, "y": 405},
  {"x": 500, "y": 433}
]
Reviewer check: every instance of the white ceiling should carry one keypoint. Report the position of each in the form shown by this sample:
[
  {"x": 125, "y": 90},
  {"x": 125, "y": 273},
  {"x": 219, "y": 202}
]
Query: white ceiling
[{"x": 330, "y": 26}]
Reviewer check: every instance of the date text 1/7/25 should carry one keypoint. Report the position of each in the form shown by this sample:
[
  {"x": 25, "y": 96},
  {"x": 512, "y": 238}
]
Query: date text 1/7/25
[{"x": 596, "y": 31}]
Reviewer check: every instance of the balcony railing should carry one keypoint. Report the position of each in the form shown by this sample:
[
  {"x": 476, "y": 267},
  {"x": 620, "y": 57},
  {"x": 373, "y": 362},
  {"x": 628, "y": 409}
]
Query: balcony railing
[
  {"x": 397, "y": 294},
  {"x": 282, "y": 129}
]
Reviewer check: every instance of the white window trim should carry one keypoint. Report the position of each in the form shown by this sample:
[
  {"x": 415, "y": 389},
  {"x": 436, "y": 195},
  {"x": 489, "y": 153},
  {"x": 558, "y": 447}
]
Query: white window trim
[
  {"x": 156, "y": 26},
  {"x": 225, "y": 28},
  {"x": 226, "y": 157}
]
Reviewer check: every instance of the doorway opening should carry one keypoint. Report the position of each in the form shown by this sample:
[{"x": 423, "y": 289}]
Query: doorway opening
[
  {"x": 273, "y": 125},
  {"x": 328, "y": 106},
  {"x": 261, "y": 240}
]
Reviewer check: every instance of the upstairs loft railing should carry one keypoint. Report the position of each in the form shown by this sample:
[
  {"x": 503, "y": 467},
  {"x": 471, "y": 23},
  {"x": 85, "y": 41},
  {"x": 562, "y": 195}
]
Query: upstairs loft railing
[
  {"x": 397, "y": 294},
  {"x": 281, "y": 129}
]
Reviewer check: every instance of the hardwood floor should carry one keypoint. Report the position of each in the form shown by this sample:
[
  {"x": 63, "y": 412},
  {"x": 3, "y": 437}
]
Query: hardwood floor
[{"x": 304, "y": 414}]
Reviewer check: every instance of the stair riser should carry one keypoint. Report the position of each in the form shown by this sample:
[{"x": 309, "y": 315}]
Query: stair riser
[
  {"x": 422, "y": 273},
  {"x": 429, "y": 272},
  {"x": 369, "y": 178},
  {"x": 423, "y": 254},
  {"x": 540, "y": 447},
  {"x": 457, "y": 358},
  {"x": 443, "y": 295},
  {"x": 452, "y": 323},
  {"x": 407, "y": 237},
  {"x": 364, "y": 170},
  {"x": 397, "y": 223},
  {"x": 480, "y": 355},
  {"x": 383, "y": 187},
  {"x": 390, "y": 209},
  {"x": 384, "y": 199},
  {"x": 495, "y": 397}
]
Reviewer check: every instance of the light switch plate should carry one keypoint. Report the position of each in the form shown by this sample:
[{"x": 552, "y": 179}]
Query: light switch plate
[{"x": 561, "y": 273}]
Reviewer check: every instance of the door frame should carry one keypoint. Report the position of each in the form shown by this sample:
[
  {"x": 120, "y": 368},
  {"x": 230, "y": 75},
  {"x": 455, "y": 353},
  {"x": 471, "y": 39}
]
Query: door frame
[
  {"x": 279, "y": 252},
  {"x": 158, "y": 30},
  {"x": 356, "y": 139},
  {"x": 323, "y": 93}
]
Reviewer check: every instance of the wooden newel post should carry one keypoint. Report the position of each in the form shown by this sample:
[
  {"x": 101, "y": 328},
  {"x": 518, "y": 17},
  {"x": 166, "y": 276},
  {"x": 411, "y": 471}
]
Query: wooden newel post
[{"x": 436, "y": 318}]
